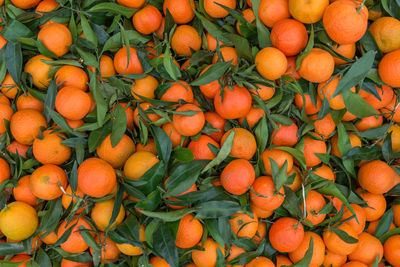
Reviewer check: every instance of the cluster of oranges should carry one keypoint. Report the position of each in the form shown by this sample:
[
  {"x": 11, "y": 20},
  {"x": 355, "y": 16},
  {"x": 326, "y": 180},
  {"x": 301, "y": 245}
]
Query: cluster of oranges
[{"x": 206, "y": 133}]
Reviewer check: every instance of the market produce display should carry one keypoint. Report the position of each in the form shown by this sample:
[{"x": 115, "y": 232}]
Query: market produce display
[{"x": 204, "y": 133}]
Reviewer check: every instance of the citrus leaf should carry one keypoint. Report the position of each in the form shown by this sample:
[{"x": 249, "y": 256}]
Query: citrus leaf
[
  {"x": 357, "y": 106},
  {"x": 211, "y": 74},
  {"x": 113, "y": 8},
  {"x": 223, "y": 153}
]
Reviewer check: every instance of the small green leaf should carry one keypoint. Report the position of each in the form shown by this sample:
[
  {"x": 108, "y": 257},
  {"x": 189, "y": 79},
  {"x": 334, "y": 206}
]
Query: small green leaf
[
  {"x": 164, "y": 245},
  {"x": 384, "y": 223},
  {"x": 306, "y": 50},
  {"x": 119, "y": 125},
  {"x": 113, "y": 8},
  {"x": 213, "y": 73},
  {"x": 88, "y": 31},
  {"x": 223, "y": 153},
  {"x": 357, "y": 106},
  {"x": 344, "y": 236}
]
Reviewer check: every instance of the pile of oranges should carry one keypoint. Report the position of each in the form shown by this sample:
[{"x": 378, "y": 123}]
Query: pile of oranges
[{"x": 207, "y": 133}]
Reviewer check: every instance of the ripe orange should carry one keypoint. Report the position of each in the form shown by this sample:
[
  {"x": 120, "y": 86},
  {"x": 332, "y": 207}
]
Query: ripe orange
[
  {"x": 261, "y": 213},
  {"x": 289, "y": 36},
  {"x": 392, "y": 250},
  {"x": 310, "y": 107},
  {"x": 307, "y": 11},
  {"x": 72, "y": 76},
  {"x": 184, "y": 39},
  {"x": 261, "y": 232},
  {"x": 121, "y": 61},
  {"x": 18, "y": 220},
  {"x": 374, "y": 224},
  {"x": 96, "y": 177},
  {"x": 260, "y": 261},
  {"x": 131, "y": 4},
  {"x": 56, "y": 37},
  {"x": 180, "y": 90},
  {"x": 72, "y": 197},
  {"x": 8, "y": 87},
  {"x": 394, "y": 109},
  {"x": 48, "y": 149},
  {"x": 176, "y": 138},
  {"x": 6, "y": 113},
  {"x": 360, "y": 216},
  {"x": 376, "y": 168},
  {"x": 145, "y": 106},
  {"x": 138, "y": 163},
  {"x": 130, "y": 250},
  {"x": 386, "y": 95},
  {"x": 147, "y": 19},
  {"x": 325, "y": 172},
  {"x": 18, "y": 148},
  {"x": 285, "y": 135},
  {"x": 272, "y": 11},
  {"x": 264, "y": 194},
  {"x": 354, "y": 264},
  {"x": 333, "y": 259},
  {"x": 254, "y": 115},
  {"x": 264, "y": 92},
  {"x": 228, "y": 54},
  {"x": 211, "y": 89},
  {"x": 369, "y": 122},
  {"x": 200, "y": 148},
  {"x": 39, "y": 70},
  {"x": 335, "y": 244},
  {"x": 216, "y": 11},
  {"x": 102, "y": 212},
  {"x": 297, "y": 181},
  {"x": 22, "y": 192},
  {"x": 345, "y": 21},
  {"x": 318, "y": 255},
  {"x": 244, "y": 225},
  {"x": 144, "y": 87},
  {"x": 311, "y": 148},
  {"x": 116, "y": 156},
  {"x": 188, "y": 125},
  {"x": 385, "y": 31},
  {"x": 237, "y": 176},
  {"x": 149, "y": 147},
  {"x": 109, "y": 249},
  {"x": 325, "y": 126},
  {"x": 327, "y": 89},
  {"x": 249, "y": 16},
  {"x": 376, "y": 205},
  {"x": 234, "y": 252},
  {"x": 282, "y": 261},
  {"x": 346, "y": 50},
  {"x": 317, "y": 66},
  {"x": 75, "y": 242},
  {"x": 291, "y": 73},
  {"x": 314, "y": 203},
  {"x": 217, "y": 122},
  {"x": 45, "y": 182},
  {"x": 27, "y": 101},
  {"x": 23, "y": 259},
  {"x": 244, "y": 144},
  {"x": 26, "y": 124},
  {"x": 271, "y": 63},
  {"x": 234, "y": 104},
  {"x": 208, "y": 256},
  {"x": 189, "y": 232},
  {"x": 72, "y": 103},
  {"x": 368, "y": 249},
  {"x": 181, "y": 10},
  {"x": 388, "y": 68},
  {"x": 68, "y": 263},
  {"x": 25, "y": 4},
  {"x": 158, "y": 262},
  {"x": 212, "y": 42},
  {"x": 279, "y": 156},
  {"x": 286, "y": 234}
]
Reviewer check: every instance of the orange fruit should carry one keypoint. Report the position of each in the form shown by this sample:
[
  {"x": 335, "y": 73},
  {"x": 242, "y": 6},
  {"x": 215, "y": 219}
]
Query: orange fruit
[
  {"x": 317, "y": 66},
  {"x": 147, "y": 19},
  {"x": 261, "y": 232},
  {"x": 56, "y": 37},
  {"x": 26, "y": 124},
  {"x": 264, "y": 194},
  {"x": 116, "y": 156},
  {"x": 27, "y": 101},
  {"x": 237, "y": 176},
  {"x": 285, "y": 135},
  {"x": 389, "y": 67},
  {"x": 151, "y": 115},
  {"x": 309, "y": 106},
  {"x": 260, "y": 261},
  {"x": 45, "y": 182},
  {"x": 376, "y": 205},
  {"x": 101, "y": 214},
  {"x": 18, "y": 220},
  {"x": 368, "y": 249},
  {"x": 121, "y": 61},
  {"x": 72, "y": 76},
  {"x": 297, "y": 181},
  {"x": 75, "y": 242},
  {"x": 385, "y": 31},
  {"x": 3, "y": 41},
  {"x": 39, "y": 71},
  {"x": 244, "y": 225},
  {"x": 354, "y": 264},
  {"x": 272, "y": 11},
  {"x": 72, "y": 197},
  {"x": 189, "y": 232},
  {"x": 311, "y": 148},
  {"x": 149, "y": 147},
  {"x": 211, "y": 89},
  {"x": 234, "y": 252},
  {"x": 208, "y": 256},
  {"x": 279, "y": 156},
  {"x": 144, "y": 87},
  {"x": 48, "y": 149},
  {"x": 188, "y": 125},
  {"x": 264, "y": 92},
  {"x": 130, "y": 250},
  {"x": 249, "y": 16},
  {"x": 22, "y": 192},
  {"x": 254, "y": 116},
  {"x": 271, "y": 63},
  {"x": 392, "y": 250},
  {"x": 291, "y": 73},
  {"x": 138, "y": 163},
  {"x": 325, "y": 126},
  {"x": 244, "y": 144},
  {"x": 314, "y": 203},
  {"x": 68, "y": 263},
  {"x": 282, "y": 261},
  {"x": 18, "y": 148},
  {"x": 217, "y": 122},
  {"x": 318, "y": 255},
  {"x": 23, "y": 259},
  {"x": 6, "y": 113},
  {"x": 158, "y": 262},
  {"x": 184, "y": 39},
  {"x": 212, "y": 42},
  {"x": 180, "y": 90},
  {"x": 369, "y": 122},
  {"x": 234, "y": 104},
  {"x": 392, "y": 109},
  {"x": 49, "y": 239},
  {"x": 327, "y": 89},
  {"x": 106, "y": 66},
  {"x": 8, "y": 87},
  {"x": 228, "y": 54},
  {"x": 357, "y": 222},
  {"x": 176, "y": 138},
  {"x": 96, "y": 177},
  {"x": 325, "y": 172},
  {"x": 286, "y": 234},
  {"x": 354, "y": 141},
  {"x": 200, "y": 148},
  {"x": 335, "y": 244},
  {"x": 307, "y": 11},
  {"x": 261, "y": 213},
  {"x": 72, "y": 103},
  {"x": 346, "y": 50},
  {"x": 289, "y": 36},
  {"x": 333, "y": 259},
  {"x": 376, "y": 168},
  {"x": 216, "y": 11},
  {"x": 181, "y": 10},
  {"x": 131, "y": 4},
  {"x": 345, "y": 21},
  {"x": 109, "y": 249},
  {"x": 25, "y": 4},
  {"x": 386, "y": 95},
  {"x": 374, "y": 224}
]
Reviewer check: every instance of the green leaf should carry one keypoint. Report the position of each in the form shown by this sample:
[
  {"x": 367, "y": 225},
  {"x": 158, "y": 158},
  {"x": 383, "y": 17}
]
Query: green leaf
[
  {"x": 242, "y": 46},
  {"x": 163, "y": 143},
  {"x": 344, "y": 146},
  {"x": 373, "y": 133},
  {"x": 43, "y": 259},
  {"x": 214, "y": 30},
  {"x": 172, "y": 70},
  {"x": 115, "y": 41},
  {"x": 15, "y": 30},
  {"x": 344, "y": 236},
  {"x": 88, "y": 31},
  {"x": 51, "y": 216},
  {"x": 11, "y": 248},
  {"x": 383, "y": 238},
  {"x": 306, "y": 50},
  {"x": 213, "y": 73},
  {"x": 363, "y": 153},
  {"x": 216, "y": 209},
  {"x": 356, "y": 74},
  {"x": 291, "y": 202},
  {"x": 50, "y": 98},
  {"x": 264, "y": 36},
  {"x": 73, "y": 181},
  {"x": 117, "y": 206},
  {"x": 384, "y": 223},
  {"x": 357, "y": 106},
  {"x": 152, "y": 178},
  {"x": 261, "y": 133},
  {"x": 183, "y": 177},
  {"x": 299, "y": 156},
  {"x": 13, "y": 57},
  {"x": 170, "y": 216},
  {"x": 305, "y": 261},
  {"x": 88, "y": 58},
  {"x": 119, "y": 125},
  {"x": 279, "y": 175},
  {"x": 223, "y": 153},
  {"x": 44, "y": 50},
  {"x": 96, "y": 137},
  {"x": 113, "y": 8},
  {"x": 164, "y": 245},
  {"x": 101, "y": 105},
  {"x": 183, "y": 154}
]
